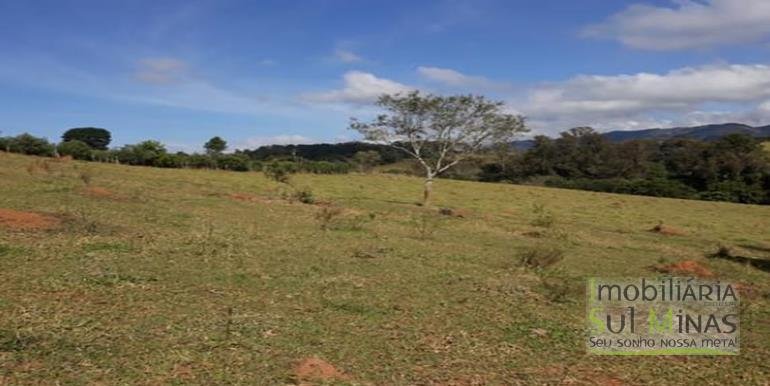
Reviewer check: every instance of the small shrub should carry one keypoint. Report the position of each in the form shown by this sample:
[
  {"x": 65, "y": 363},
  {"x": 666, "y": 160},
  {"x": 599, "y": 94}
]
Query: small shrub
[
  {"x": 327, "y": 216},
  {"x": 543, "y": 217},
  {"x": 540, "y": 257},
  {"x": 356, "y": 223},
  {"x": 278, "y": 172},
  {"x": 233, "y": 162},
  {"x": 556, "y": 285},
  {"x": 86, "y": 176},
  {"x": 304, "y": 195}
]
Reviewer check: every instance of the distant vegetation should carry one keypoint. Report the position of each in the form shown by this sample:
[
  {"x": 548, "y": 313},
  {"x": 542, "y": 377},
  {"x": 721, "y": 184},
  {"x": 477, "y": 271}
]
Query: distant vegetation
[{"x": 734, "y": 168}]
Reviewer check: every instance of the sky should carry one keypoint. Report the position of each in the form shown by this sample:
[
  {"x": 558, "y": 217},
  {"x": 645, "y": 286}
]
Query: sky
[{"x": 284, "y": 71}]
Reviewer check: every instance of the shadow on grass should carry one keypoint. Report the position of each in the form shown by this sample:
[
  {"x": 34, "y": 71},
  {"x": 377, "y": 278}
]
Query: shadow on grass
[{"x": 758, "y": 263}]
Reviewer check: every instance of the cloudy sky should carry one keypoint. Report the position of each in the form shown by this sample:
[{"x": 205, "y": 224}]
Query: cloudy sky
[{"x": 283, "y": 71}]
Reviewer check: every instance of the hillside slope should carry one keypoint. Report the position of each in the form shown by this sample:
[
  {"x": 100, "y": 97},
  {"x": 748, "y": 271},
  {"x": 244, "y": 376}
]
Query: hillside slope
[
  {"x": 113, "y": 274},
  {"x": 704, "y": 133}
]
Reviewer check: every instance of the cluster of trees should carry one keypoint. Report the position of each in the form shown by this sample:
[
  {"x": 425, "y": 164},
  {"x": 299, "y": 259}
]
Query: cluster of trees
[
  {"x": 332, "y": 152},
  {"x": 733, "y": 168},
  {"x": 438, "y": 133},
  {"x": 91, "y": 144}
]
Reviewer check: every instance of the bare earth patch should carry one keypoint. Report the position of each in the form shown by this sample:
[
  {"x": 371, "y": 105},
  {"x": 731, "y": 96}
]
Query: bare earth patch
[
  {"x": 98, "y": 192},
  {"x": 686, "y": 267},
  {"x": 251, "y": 198},
  {"x": 667, "y": 230},
  {"x": 318, "y": 370},
  {"x": 18, "y": 220}
]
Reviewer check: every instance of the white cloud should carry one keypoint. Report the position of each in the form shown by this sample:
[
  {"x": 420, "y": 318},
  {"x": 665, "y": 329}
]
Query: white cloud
[
  {"x": 451, "y": 77},
  {"x": 360, "y": 87},
  {"x": 347, "y": 56},
  {"x": 160, "y": 70},
  {"x": 688, "y": 24},
  {"x": 291, "y": 139},
  {"x": 681, "y": 96}
]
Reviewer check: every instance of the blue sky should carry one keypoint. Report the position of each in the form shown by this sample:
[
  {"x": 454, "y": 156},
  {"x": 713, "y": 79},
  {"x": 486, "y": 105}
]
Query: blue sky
[{"x": 259, "y": 72}]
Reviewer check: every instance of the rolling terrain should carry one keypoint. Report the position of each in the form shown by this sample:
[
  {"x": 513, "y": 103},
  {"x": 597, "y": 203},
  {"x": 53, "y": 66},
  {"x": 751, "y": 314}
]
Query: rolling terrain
[
  {"x": 112, "y": 274},
  {"x": 703, "y": 133}
]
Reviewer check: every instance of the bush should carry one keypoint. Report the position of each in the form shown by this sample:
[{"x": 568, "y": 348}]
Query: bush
[
  {"x": 279, "y": 171},
  {"x": 75, "y": 149},
  {"x": 324, "y": 167},
  {"x": 734, "y": 191},
  {"x": 656, "y": 187},
  {"x": 234, "y": 162},
  {"x": 304, "y": 195},
  {"x": 556, "y": 285},
  {"x": 540, "y": 257},
  {"x": 327, "y": 215},
  {"x": 104, "y": 155},
  {"x": 200, "y": 161},
  {"x": 543, "y": 217},
  {"x": 5, "y": 144},
  {"x": 165, "y": 160},
  {"x": 144, "y": 153},
  {"x": 31, "y": 145}
]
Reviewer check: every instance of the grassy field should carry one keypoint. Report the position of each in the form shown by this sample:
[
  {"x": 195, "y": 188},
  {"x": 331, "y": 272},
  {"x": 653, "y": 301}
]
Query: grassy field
[{"x": 132, "y": 275}]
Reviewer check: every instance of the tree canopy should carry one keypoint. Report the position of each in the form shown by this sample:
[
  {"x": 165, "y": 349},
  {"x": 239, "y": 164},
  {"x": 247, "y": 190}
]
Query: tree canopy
[
  {"x": 440, "y": 131},
  {"x": 94, "y": 137},
  {"x": 215, "y": 145}
]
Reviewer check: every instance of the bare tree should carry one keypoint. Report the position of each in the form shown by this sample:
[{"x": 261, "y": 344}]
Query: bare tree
[{"x": 438, "y": 131}]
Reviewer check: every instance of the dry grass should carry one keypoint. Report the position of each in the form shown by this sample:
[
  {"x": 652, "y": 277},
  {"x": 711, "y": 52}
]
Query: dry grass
[{"x": 182, "y": 284}]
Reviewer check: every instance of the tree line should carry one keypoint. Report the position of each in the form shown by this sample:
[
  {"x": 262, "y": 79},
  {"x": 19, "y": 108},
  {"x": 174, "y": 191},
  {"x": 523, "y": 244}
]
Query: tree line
[
  {"x": 467, "y": 137},
  {"x": 733, "y": 168},
  {"x": 91, "y": 144}
]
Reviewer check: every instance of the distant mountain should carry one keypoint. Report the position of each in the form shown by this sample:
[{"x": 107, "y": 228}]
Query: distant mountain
[{"x": 704, "y": 133}]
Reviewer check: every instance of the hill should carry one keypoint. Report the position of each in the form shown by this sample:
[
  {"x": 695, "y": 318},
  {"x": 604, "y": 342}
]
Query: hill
[
  {"x": 134, "y": 275},
  {"x": 704, "y": 133}
]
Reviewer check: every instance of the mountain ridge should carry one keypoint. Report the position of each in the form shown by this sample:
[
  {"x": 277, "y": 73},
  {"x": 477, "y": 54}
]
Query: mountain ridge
[{"x": 703, "y": 132}]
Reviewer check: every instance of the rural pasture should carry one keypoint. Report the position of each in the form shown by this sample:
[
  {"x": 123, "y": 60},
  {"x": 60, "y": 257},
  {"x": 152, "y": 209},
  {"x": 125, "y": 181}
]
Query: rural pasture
[{"x": 112, "y": 274}]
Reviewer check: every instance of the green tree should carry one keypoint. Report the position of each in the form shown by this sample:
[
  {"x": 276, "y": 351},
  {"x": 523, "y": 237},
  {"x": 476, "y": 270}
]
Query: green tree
[
  {"x": 234, "y": 162},
  {"x": 75, "y": 149},
  {"x": 94, "y": 137},
  {"x": 143, "y": 153},
  {"x": 215, "y": 146},
  {"x": 31, "y": 145},
  {"x": 439, "y": 132}
]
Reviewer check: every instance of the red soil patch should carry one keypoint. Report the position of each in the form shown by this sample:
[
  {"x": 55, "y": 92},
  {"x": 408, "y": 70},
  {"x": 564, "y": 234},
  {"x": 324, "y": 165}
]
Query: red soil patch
[
  {"x": 747, "y": 291},
  {"x": 18, "y": 220},
  {"x": 316, "y": 369},
  {"x": 667, "y": 230},
  {"x": 686, "y": 267},
  {"x": 249, "y": 198},
  {"x": 95, "y": 191},
  {"x": 244, "y": 197}
]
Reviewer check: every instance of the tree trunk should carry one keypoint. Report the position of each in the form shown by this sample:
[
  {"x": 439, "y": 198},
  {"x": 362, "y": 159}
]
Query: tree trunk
[{"x": 428, "y": 190}]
